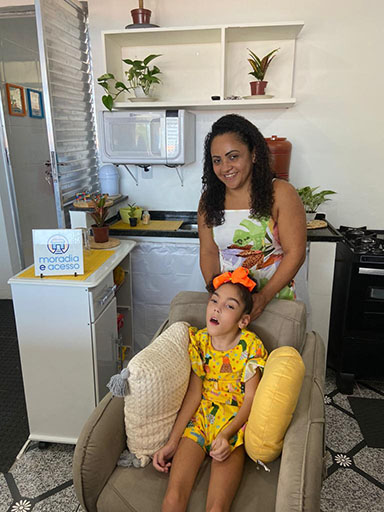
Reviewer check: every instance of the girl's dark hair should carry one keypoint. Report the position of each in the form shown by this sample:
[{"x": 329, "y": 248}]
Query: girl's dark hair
[
  {"x": 213, "y": 191},
  {"x": 245, "y": 294}
]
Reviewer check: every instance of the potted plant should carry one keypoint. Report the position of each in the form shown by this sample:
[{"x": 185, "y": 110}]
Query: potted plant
[
  {"x": 99, "y": 214},
  {"x": 140, "y": 78},
  {"x": 259, "y": 69},
  {"x": 132, "y": 212},
  {"x": 312, "y": 199},
  {"x": 141, "y": 16}
]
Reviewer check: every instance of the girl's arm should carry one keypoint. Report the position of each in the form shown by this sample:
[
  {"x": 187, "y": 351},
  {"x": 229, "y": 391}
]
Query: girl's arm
[
  {"x": 209, "y": 252},
  {"x": 289, "y": 213},
  {"x": 220, "y": 448},
  {"x": 189, "y": 406}
]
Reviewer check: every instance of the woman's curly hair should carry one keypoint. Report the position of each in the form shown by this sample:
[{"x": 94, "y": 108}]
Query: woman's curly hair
[{"x": 213, "y": 192}]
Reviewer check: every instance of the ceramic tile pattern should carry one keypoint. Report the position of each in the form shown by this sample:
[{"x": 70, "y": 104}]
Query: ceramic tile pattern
[{"x": 355, "y": 473}]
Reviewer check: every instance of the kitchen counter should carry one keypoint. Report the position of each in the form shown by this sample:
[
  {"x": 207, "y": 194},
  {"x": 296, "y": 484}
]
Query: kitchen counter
[
  {"x": 185, "y": 216},
  {"x": 328, "y": 234}
]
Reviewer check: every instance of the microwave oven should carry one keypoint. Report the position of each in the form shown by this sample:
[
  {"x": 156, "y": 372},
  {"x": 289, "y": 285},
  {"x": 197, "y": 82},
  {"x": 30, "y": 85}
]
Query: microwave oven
[{"x": 148, "y": 137}]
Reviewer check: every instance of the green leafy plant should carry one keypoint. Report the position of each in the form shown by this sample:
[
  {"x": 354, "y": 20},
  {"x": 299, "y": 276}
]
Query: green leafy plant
[
  {"x": 100, "y": 211},
  {"x": 132, "y": 209},
  {"x": 311, "y": 199},
  {"x": 139, "y": 76},
  {"x": 260, "y": 66}
]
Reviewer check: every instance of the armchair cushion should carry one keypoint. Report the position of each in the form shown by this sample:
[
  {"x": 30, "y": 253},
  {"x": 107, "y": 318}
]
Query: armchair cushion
[
  {"x": 157, "y": 382},
  {"x": 274, "y": 404}
]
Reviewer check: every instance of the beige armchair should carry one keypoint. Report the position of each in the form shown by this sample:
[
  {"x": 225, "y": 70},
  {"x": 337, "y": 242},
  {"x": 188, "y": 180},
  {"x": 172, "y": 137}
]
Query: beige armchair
[{"x": 294, "y": 480}]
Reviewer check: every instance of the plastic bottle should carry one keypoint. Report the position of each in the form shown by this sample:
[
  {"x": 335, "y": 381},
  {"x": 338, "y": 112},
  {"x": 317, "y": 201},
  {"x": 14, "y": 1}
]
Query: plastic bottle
[
  {"x": 109, "y": 180},
  {"x": 146, "y": 217}
]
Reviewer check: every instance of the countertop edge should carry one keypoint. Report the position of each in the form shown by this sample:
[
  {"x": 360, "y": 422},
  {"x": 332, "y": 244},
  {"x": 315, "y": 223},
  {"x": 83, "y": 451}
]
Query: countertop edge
[{"x": 328, "y": 234}]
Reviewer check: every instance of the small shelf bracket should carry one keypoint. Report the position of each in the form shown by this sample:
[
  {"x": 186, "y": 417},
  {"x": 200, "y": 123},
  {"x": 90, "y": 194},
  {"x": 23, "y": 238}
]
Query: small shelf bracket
[
  {"x": 179, "y": 173},
  {"x": 135, "y": 178}
]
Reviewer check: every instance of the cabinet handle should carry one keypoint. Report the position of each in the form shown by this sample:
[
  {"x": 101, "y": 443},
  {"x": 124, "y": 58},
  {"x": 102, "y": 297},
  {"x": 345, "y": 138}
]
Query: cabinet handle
[
  {"x": 106, "y": 297},
  {"x": 371, "y": 271}
]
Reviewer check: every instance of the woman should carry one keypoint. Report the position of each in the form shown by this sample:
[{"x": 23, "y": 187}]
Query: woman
[{"x": 247, "y": 217}]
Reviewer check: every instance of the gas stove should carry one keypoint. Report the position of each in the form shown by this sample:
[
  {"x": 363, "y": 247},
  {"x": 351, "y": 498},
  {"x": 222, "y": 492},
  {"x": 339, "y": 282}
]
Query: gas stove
[
  {"x": 363, "y": 241},
  {"x": 357, "y": 310}
]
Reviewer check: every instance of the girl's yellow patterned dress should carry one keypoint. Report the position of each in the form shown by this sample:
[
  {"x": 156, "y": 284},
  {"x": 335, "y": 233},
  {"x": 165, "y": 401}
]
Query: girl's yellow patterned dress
[{"x": 224, "y": 374}]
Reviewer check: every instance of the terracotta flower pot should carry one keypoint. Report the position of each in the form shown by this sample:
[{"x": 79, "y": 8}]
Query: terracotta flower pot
[
  {"x": 141, "y": 16},
  {"x": 100, "y": 234},
  {"x": 258, "y": 87}
]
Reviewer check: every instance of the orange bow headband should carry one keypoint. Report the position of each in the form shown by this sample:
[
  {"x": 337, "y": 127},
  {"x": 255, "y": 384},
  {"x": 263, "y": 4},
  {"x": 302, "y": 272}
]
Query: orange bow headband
[{"x": 240, "y": 275}]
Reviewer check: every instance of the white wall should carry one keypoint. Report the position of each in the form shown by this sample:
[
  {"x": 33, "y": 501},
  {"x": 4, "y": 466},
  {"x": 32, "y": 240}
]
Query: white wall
[{"x": 336, "y": 127}]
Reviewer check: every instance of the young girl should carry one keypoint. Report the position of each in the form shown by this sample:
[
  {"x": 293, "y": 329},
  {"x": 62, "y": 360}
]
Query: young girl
[{"x": 226, "y": 360}]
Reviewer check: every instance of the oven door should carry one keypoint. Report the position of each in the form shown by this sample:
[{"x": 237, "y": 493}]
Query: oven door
[{"x": 365, "y": 312}]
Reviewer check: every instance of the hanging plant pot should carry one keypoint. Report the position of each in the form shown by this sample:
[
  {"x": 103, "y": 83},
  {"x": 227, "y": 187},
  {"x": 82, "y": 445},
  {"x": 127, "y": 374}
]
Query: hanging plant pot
[
  {"x": 258, "y": 87},
  {"x": 141, "y": 16},
  {"x": 100, "y": 234}
]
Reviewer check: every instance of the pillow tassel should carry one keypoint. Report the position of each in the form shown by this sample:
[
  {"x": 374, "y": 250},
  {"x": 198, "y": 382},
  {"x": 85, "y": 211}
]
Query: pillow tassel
[
  {"x": 128, "y": 459},
  {"x": 118, "y": 384}
]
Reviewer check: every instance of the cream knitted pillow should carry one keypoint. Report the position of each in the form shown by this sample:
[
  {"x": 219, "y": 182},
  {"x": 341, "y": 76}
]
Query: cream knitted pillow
[{"x": 157, "y": 382}]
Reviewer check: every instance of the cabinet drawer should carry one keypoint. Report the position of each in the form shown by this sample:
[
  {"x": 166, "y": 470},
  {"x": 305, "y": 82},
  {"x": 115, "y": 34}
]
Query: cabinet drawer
[{"x": 101, "y": 296}]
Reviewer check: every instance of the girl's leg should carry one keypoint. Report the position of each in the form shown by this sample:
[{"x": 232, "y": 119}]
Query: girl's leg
[
  {"x": 185, "y": 465},
  {"x": 224, "y": 481}
]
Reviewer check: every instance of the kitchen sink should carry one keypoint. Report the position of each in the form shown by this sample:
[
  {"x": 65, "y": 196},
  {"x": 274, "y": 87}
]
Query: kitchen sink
[{"x": 188, "y": 226}]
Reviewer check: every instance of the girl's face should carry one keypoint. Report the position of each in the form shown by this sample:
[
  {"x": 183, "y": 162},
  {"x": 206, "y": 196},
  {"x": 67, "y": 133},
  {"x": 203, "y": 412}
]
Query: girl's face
[
  {"x": 232, "y": 161},
  {"x": 225, "y": 311}
]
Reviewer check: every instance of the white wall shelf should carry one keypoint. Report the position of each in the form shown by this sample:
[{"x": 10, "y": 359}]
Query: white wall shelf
[
  {"x": 210, "y": 105},
  {"x": 204, "y": 61}
]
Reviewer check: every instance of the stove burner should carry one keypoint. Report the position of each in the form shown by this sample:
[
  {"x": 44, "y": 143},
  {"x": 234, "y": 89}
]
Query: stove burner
[
  {"x": 352, "y": 234},
  {"x": 363, "y": 241}
]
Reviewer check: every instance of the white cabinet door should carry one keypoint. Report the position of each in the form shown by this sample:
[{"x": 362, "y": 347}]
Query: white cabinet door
[
  {"x": 160, "y": 270},
  {"x": 105, "y": 348}
]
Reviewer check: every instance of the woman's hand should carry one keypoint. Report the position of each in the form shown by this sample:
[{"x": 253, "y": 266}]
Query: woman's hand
[
  {"x": 259, "y": 303},
  {"x": 220, "y": 449},
  {"x": 161, "y": 459}
]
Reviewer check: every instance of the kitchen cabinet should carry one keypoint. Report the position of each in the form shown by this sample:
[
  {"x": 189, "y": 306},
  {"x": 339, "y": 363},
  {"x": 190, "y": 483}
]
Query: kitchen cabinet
[
  {"x": 203, "y": 61},
  {"x": 70, "y": 344},
  {"x": 161, "y": 268}
]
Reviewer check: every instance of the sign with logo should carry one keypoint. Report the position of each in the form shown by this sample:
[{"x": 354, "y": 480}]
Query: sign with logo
[{"x": 58, "y": 252}]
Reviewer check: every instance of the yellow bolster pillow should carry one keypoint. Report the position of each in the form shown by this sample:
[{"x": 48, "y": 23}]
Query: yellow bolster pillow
[{"x": 274, "y": 403}]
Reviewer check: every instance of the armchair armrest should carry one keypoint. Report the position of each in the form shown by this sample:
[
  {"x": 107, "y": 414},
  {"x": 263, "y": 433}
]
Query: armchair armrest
[
  {"x": 301, "y": 467},
  {"x": 98, "y": 449}
]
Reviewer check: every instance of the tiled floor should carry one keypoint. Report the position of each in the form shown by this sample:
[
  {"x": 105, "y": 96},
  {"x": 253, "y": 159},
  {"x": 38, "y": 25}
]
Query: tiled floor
[
  {"x": 355, "y": 472},
  {"x": 41, "y": 479}
]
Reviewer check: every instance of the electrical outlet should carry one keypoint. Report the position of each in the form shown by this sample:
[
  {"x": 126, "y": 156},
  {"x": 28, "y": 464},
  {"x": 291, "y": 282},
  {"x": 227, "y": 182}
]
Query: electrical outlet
[{"x": 147, "y": 173}]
